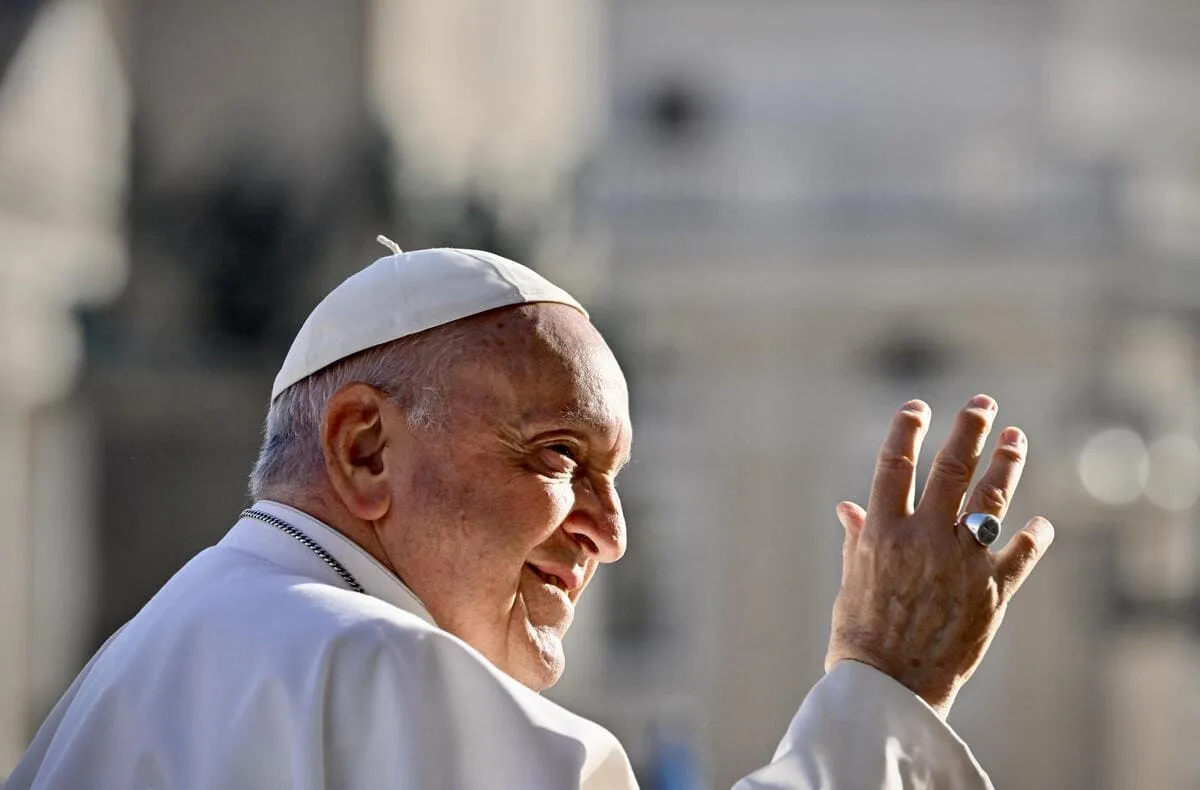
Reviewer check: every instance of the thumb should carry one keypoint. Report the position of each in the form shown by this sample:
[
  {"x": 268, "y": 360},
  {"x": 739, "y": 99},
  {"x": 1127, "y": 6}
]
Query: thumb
[
  {"x": 852, "y": 518},
  {"x": 1015, "y": 562}
]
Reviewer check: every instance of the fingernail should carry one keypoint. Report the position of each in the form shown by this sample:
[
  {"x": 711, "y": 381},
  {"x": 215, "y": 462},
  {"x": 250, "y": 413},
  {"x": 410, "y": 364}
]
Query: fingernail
[
  {"x": 1042, "y": 532},
  {"x": 982, "y": 402},
  {"x": 1013, "y": 436},
  {"x": 915, "y": 405}
]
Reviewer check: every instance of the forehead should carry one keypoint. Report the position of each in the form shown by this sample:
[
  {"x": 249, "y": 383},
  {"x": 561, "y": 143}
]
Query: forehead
[{"x": 545, "y": 363}]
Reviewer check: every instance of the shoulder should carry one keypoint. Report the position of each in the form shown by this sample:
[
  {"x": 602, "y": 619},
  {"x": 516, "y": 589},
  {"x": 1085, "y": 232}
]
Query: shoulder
[
  {"x": 261, "y": 613},
  {"x": 296, "y": 605}
]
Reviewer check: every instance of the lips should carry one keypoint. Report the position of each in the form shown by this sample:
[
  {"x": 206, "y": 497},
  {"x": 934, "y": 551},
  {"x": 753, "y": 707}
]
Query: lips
[
  {"x": 566, "y": 577},
  {"x": 548, "y": 578}
]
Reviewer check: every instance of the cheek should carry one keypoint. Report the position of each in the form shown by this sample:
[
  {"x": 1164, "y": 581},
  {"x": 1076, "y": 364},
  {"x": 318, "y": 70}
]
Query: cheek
[
  {"x": 495, "y": 517},
  {"x": 530, "y": 512}
]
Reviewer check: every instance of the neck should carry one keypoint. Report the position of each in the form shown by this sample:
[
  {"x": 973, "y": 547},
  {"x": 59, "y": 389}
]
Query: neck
[{"x": 331, "y": 512}]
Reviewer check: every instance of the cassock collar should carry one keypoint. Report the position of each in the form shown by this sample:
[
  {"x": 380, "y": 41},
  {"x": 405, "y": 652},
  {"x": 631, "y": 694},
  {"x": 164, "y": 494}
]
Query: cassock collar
[{"x": 273, "y": 544}]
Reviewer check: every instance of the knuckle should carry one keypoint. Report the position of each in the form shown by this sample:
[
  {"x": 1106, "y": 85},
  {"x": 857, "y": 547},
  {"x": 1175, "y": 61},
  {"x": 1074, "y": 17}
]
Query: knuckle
[
  {"x": 891, "y": 461},
  {"x": 1010, "y": 454},
  {"x": 909, "y": 420},
  {"x": 991, "y": 498},
  {"x": 1030, "y": 545},
  {"x": 974, "y": 420},
  {"x": 952, "y": 469}
]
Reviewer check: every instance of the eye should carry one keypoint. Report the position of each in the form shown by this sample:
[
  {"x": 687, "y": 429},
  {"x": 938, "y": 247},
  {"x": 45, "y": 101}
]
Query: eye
[{"x": 565, "y": 450}]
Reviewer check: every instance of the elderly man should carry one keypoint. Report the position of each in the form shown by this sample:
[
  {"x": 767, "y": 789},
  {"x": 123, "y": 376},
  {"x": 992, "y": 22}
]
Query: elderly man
[{"x": 436, "y": 488}]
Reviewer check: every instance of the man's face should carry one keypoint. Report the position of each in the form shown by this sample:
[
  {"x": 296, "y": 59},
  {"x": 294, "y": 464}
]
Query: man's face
[{"x": 500, "y": 518}]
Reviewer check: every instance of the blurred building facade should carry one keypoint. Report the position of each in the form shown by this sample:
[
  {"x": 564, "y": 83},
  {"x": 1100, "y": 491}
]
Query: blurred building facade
[
  {"x": 788, "y": 218},
  {"x": 812, "y": 212}
]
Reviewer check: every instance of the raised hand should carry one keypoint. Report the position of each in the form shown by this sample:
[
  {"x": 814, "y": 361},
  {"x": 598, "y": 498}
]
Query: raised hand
[{"x": 920, "y": 598}]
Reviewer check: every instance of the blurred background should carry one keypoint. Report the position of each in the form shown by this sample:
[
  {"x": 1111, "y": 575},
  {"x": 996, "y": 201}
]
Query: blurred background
[{"x": 787, "y": 217}]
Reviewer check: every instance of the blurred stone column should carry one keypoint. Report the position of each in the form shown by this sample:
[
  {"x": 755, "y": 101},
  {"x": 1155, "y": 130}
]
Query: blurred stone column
[
  {"x": 511, "y": 108},
  {"x": 63, "y": 119},
  {"x": 511, "y": 113}
]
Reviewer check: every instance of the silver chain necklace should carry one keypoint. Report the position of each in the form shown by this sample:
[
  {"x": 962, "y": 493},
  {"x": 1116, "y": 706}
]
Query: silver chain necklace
[{"x": 308, "y": 543}]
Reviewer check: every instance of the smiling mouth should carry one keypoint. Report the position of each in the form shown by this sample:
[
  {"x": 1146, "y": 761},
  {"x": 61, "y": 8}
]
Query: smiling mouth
[{"x": 548, "y": 578}]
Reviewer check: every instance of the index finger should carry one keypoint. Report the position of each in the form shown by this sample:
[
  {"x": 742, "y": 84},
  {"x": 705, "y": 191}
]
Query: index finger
[{"x": 892, "y": 491}]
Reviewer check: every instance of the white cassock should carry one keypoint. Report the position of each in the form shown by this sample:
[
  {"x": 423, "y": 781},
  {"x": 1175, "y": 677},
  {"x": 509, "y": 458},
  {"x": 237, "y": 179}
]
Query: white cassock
[{"x": 256, "y": 667}]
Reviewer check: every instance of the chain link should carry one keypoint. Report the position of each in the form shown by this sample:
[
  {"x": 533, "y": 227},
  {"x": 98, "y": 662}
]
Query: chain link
[{"x": 307, "y": 543}]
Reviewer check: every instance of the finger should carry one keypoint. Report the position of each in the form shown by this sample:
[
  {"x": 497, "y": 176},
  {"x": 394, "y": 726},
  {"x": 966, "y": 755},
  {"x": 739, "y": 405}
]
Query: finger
[
  {"x": 996, "y": 487},
  {"x": 852, "y": 518},
  {"x": 1016, "y": 561},
  {"x": 895, "y": 470},
  {"x": 955, "y": 463}
]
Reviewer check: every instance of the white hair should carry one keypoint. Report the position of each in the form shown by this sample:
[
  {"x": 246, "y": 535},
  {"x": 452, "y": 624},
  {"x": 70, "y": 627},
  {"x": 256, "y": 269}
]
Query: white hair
[{"x": 413, "y": 371}]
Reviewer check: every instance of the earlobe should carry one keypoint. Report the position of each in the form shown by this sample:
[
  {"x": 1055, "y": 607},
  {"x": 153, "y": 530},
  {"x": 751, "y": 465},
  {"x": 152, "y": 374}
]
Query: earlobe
[{"x": 354, "y": 438}]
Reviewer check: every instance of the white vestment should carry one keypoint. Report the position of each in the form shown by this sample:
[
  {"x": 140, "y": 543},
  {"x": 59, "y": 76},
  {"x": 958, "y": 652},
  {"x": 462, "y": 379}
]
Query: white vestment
[{"x": 256, "y": 667}]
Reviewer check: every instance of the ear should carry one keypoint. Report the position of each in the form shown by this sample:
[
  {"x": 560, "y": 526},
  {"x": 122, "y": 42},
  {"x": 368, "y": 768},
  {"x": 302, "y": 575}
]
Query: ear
[{"x": 354, "y": 436}]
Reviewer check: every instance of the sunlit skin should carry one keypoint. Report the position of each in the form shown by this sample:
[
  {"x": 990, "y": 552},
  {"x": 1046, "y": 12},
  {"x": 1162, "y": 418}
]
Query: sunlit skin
[{"x": 499, "y": 519}]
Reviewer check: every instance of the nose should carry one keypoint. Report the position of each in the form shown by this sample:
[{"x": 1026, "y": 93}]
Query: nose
[{"x": 597, "y": 521}]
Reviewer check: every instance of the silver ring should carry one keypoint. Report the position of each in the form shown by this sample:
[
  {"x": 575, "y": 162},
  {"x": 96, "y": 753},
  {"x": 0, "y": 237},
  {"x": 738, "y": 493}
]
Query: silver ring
[{"x": 984, "y": 527}]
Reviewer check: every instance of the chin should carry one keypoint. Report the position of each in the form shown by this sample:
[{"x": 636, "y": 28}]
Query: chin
[{"x": 543, "y": 660}]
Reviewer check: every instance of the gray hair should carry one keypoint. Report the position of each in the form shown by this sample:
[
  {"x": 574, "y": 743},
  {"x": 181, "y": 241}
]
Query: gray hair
[{"x": 413, "y": 371}]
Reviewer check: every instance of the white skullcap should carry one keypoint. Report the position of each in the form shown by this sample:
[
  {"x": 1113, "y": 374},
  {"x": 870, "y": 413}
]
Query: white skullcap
[{"x": 407, "y": 293}]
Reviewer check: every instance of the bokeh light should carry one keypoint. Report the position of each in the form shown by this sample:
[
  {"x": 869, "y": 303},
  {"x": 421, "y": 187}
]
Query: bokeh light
[
  {"x": 1113, "y": 466},
  {"x": 1174, "y": 479}
]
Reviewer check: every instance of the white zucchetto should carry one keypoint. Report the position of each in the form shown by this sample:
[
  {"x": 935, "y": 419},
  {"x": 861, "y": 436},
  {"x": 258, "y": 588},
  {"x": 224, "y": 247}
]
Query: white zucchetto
[{"x": 407, "y": 293}]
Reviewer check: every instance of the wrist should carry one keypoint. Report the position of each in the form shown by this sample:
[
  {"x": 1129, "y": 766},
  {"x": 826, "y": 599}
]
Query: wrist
[{"x": 938, "y": 696}]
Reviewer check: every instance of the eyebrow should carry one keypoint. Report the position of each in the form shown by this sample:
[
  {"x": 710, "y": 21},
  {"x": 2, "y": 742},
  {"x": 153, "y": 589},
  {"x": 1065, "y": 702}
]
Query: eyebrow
[
  {"x": 569, "y": 417},
  {"x": 583, "y": 417}
]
